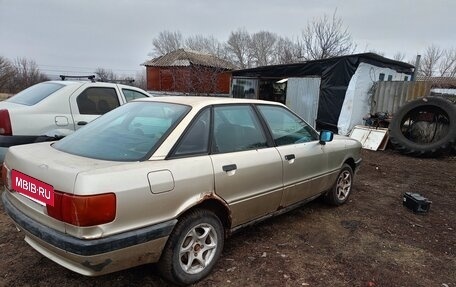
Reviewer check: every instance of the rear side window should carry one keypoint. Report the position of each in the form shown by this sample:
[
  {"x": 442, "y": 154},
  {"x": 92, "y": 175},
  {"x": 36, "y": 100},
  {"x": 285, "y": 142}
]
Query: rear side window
[
  {"x": 196, "y": 139},
  {"x": 35, "y": 93},
  {"x": 237, "y": 128},
  {"x": 131, "y": 95},
  {"x": 97, "y": 101}
]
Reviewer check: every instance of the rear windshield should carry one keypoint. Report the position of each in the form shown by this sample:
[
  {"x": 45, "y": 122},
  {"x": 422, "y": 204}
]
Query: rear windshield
[
  {"x": 35, "y": 93},
  {"x": 129, "y": 133}
]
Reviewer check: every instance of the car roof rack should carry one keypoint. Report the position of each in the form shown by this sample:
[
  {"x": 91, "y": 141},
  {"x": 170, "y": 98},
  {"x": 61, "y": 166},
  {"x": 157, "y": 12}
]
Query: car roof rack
[
  {"x": 123, "y": 81},
  {"x": 90, "y": 77}
]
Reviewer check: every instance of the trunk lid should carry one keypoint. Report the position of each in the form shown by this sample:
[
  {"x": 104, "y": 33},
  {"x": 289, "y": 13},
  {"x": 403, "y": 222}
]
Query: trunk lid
[
  {"x": 9, "y": 105},
  {"x": 51, "y": 166}
]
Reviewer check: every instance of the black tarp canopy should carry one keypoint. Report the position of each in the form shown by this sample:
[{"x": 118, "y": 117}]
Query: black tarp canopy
[{"x": 335, "y": 74}]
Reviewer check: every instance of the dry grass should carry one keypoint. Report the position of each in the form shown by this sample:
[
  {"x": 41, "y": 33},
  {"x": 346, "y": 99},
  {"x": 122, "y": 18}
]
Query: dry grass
[{"x": 4, "y": 96}]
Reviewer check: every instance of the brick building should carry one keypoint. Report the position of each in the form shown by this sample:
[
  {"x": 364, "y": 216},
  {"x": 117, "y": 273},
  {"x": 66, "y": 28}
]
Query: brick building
[{"x": 187, "y": 71}]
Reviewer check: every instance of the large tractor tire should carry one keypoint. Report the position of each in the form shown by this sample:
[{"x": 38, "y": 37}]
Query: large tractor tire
[{"x": 425, "y": 127}]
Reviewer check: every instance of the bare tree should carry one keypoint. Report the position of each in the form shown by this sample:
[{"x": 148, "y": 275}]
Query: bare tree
[
  {"x": 105, "y": 75},
  {"x": 209, "y": 45},
  {"x": 201, "y": 80},
  {"x": 326, "y": 37},
  {"x": 262, "y": 48},
  {"x": 141, "y": 79},
  {"x": 287, "y": 51},
  {"x": 430, "y": 60},
  {"x": 6, "y": 73},
  {"x": 166, "y": 42},
  {"x": 399, "y": 56},
  {"x": 447, "y": 65},
  {"x": 238, "y": 50},
  {"x": 25, "y": 74},
  {"x": 204, "y": 80}
]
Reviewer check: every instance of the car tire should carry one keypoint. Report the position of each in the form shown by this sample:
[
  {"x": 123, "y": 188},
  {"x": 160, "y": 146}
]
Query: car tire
[
  {"x": 193, "y": 247},
  {"x": 339, "y": 193}
]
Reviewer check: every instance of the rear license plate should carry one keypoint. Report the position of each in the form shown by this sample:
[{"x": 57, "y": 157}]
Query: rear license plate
[{"x": 32, "y": 188}]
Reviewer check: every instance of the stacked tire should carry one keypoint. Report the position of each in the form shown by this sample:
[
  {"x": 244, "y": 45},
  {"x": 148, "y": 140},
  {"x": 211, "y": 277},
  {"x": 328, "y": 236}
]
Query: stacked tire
[{"x": 425, "y": 127}]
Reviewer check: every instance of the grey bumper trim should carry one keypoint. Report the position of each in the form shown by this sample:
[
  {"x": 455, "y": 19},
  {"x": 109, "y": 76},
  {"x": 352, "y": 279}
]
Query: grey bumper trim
[{"x": 92, "y": 246}]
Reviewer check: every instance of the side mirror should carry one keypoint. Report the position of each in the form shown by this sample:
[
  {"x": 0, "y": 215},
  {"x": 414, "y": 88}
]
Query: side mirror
[{"x": 326, "y": 136}]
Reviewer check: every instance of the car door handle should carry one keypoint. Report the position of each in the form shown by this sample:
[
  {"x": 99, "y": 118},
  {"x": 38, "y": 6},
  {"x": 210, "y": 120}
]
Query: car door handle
[
  {"x": 290, "y": 156},
  {"x": 230, "y": 167},
  {"x": 82, "y": 123}
]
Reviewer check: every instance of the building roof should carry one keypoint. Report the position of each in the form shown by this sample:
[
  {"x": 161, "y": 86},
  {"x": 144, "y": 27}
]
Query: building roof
[
  {"x": 318, "y": 67},
  {"x": 185, "y": 58}
]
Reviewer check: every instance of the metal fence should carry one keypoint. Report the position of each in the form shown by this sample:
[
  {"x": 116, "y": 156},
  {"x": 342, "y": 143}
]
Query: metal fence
[{"x": 390, "y": 96}]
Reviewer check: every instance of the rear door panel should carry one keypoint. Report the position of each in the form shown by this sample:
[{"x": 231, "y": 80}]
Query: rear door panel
[
  {"x": 97, "y": 104},
  {"x": 248, "y": 173},
  {"x": 254, "y": 188}
]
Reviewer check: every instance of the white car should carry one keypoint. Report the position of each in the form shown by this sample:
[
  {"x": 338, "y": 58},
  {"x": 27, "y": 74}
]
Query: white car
[{"x": 54, "y": 109}]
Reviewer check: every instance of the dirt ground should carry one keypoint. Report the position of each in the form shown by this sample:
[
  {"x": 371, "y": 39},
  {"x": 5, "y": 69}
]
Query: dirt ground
[{"x": 370, "y": 241}]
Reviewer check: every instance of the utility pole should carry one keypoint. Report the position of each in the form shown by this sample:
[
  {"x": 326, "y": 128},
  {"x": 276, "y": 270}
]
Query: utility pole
[{"x": 417, "y": 66}]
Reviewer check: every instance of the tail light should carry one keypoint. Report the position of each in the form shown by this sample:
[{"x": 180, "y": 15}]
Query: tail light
[
  {"x": 6, "y": 177},
  {"x": 5, "y": 123},
  {"x": 83, "y": 210}
]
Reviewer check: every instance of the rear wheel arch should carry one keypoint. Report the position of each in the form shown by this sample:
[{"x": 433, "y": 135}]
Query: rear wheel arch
[
  {"x": 218, "y": 207},
  {"x": 195, "y": 244}
]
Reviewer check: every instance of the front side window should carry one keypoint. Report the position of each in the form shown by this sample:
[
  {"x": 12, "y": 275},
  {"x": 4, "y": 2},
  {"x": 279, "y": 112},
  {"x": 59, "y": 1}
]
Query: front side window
[
  {"x": 286, "y": 128},
  {"x": 35, "y": 93},
  {"x": 97, "y": 101},
  {"x": 130, "y": 95},
  {"x": 237, "y": 128},
  {"x": 128, "y": 133}
]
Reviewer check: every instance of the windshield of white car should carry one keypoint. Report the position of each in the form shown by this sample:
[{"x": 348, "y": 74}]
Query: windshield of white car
[
  {"x": 131, "y": 132},
  {"x": 35, "y": 93}
]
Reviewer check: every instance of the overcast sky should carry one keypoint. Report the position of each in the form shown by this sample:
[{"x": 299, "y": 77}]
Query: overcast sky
[{"x": 81, "y": 35}]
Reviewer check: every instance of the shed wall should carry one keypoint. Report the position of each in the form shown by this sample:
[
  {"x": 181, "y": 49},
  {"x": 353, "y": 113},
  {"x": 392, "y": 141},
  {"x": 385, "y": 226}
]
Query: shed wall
[
  {"x": 390, "y": 96},
  {"x": 188, "y": 79},
  {"x": 302, "y": 97},
  {"x": 358, "y": 96}
]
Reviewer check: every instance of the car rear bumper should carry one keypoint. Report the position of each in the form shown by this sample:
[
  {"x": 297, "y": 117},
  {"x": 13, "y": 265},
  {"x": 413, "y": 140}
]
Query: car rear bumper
[{"x": 95, "y": 256}]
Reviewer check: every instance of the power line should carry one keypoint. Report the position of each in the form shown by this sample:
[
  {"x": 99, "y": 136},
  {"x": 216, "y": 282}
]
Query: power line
[
  {"x": 65, "y": 71},
  {"x": 87, "y": 68}
]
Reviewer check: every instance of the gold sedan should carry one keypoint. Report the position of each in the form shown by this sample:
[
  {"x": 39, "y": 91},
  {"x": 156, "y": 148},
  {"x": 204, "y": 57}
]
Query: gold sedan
[{"x": 167, "y": 179}]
